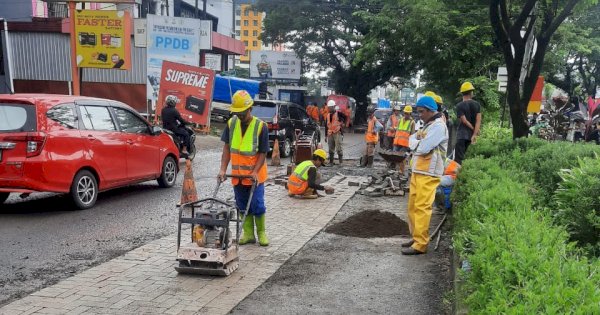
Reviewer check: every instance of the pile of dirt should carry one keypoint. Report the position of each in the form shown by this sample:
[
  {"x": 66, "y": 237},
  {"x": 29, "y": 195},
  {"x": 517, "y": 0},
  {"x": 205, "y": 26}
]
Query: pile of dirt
[{"x": 370, "y": 223}]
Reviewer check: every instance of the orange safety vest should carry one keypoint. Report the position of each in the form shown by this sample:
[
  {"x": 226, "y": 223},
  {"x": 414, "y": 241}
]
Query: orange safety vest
[
  {"x": 451, "y": 168},
  {"x": 391, "y": 132},
  {"x": 298, "y": 182},
  {"x": 333, "y": 123},
  {"x": 244, "y": 150},
  {"x": 369, "y": 136},
  {"x": 403, "y": 132}
]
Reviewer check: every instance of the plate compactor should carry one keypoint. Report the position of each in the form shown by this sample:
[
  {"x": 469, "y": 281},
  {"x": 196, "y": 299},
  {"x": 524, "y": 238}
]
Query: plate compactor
[{"x": 212, "y": 250}]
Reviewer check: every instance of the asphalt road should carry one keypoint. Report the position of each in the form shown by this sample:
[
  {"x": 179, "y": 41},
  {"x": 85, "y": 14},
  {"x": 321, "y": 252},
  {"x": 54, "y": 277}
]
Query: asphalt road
[{"x": 43, "y": 241}]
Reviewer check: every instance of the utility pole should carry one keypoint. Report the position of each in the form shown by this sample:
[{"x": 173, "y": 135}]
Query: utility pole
[
  {"x": 196, "y": 12},
  {"x": 204, "y": 9}
]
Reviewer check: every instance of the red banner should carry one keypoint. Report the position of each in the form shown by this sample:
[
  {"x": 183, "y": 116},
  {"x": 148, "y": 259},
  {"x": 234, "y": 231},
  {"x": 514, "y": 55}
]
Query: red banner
[{"x": 193, "y": 87}]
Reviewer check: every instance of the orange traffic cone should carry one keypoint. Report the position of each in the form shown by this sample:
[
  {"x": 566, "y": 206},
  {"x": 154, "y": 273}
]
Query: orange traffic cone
[
  {"x": 275, "y": 159},
  {"x": 188, "y": 192}
]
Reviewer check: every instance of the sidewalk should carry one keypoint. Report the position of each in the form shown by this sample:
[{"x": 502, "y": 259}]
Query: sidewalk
[{"x": 144, "y": 280}]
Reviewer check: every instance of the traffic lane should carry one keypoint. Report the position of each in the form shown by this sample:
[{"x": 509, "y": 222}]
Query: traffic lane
[{"x": 43, "y": 241}]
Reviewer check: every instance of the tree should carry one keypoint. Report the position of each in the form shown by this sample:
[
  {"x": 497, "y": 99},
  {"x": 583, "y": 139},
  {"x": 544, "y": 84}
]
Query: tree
[
  {"x": 327, "y": 35},
  {"x": 537, "y": 18},
  {"x": 573, "y": 61}
]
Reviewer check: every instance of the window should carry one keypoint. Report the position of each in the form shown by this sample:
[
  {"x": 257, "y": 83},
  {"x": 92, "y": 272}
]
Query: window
[
  {"x": 283, "y": 111},
  {"x": 64, "y": 115},
  {"x": 255, "y": 22},
  {"x": 17, "y": 118},
  {"x": 237, "y": 22},
  {"x": 97, "y": 118},
  {"x": 254, "y": 43},
  {"x": 245, "y": 32},
  {"x": 129, "y": 122},
  {"x": 246, "y": 23},
  {"x": 238, "y": 12},
  {"x": 254, "y": 33},
  {"x": 237, "y": 33},
  {"x": 246, "y": 43},
  {"x": 294, "y": 113}
]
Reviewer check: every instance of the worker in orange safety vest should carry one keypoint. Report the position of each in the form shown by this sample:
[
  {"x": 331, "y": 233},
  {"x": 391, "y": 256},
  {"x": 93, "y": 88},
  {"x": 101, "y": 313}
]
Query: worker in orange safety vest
[
  {"x": 303, "y": 181},
  {"x": 390, "y": 126},
  {"x": 334, "y": 122},
  {"x": 371, "y": 137}
]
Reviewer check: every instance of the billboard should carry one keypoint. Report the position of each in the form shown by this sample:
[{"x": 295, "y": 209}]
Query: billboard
[
  {"x": 193, "y": 87},
  {"x": 103, "y": 39},
  {"x": 274, "y": 65},
  {"x": 212, "y": 61},
  {"x": 172, "y": 39}
]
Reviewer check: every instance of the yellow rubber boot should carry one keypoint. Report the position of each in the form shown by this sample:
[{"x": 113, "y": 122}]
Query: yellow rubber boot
[
  {"x": 260, "y": 230},
  {"x": 248, "y": 231}
]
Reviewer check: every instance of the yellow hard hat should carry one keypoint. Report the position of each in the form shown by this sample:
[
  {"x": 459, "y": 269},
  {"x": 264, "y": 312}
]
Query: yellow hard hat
[
  {"x": 466, "y": 87},
  {"x": 430, "y": 93},
  {"x": 438, "y": 99},
  {"x": 320, "y": 153},
  {"x": 408, "y": 109},
  {"x": 241, "y": 101}
]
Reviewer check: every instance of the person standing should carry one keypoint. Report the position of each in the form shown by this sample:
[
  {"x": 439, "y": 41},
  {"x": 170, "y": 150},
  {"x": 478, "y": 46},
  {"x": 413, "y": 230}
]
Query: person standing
[
  {"x": 429, "y": 150},
  {"x": 303, "y": 181},
  {"x": 371, "y": 137},
  {"x": 390, "y": 126},
  {"x": 468, "y": 113},
  {"x": 405, "y": 128},
  {"x": 246, "y": 141},
  {"x": 334, "y": 121}
]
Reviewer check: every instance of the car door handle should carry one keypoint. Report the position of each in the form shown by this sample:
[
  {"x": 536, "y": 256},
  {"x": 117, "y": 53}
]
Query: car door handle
[
  {"x": 129, "y": 141},
  {"x": 91, "y": 138}
]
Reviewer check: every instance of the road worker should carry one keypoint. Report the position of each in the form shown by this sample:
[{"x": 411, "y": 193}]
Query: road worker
[
  {"x": 334, "y": 120},
  {"x": 429, "y": 147},
  {"x": 246, "y": 141},
  {"x": 405, "y": 128},
  {"x": 468, "y": 113},
  {"x": 371, "y": 137},
  {"x": 303, "y": 182},
  {"x": 390, "y": 126}
]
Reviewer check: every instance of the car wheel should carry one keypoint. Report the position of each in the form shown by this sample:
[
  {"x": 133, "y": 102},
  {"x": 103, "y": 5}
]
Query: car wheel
[
  {"x": 3, "y": 197},
  {"x": 286, "y": 149},
  {"x": 84, "y": 190},
  {"x": 168, "y": 175}
]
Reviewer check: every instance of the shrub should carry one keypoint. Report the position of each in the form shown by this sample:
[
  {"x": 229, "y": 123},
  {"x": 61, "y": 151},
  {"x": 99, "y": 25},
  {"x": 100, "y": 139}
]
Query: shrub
[
  {"x": 578, "y": 200},
  {"x": 521, "y": 263},
  {"x": 543, "y": 164}
]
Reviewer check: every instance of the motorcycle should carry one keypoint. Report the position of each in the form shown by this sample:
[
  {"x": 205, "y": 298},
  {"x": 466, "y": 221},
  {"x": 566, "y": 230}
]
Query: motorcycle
[{"x": 180, "y": 143}]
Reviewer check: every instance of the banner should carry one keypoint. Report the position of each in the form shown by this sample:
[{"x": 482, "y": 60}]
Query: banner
[
  {"x": 103, "y": 39},
  {"x": 173, "y": 39},
  {"x": 535, "y": 103},
  {"x": 193, "y": 87},
  {"x": 274, "y": 65}
]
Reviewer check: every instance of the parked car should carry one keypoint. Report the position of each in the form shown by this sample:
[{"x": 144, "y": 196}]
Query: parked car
[
  {"x": 282, "y": 119},
  {"x": 79, "y": 146}
]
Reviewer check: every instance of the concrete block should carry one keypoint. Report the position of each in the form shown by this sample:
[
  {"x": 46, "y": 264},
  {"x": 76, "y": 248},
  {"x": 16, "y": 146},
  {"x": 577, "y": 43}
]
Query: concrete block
[
  {"x": 375, "y": 194},
  {"x": 355, "y": 184},
  {"x": 364, "y": 185}
]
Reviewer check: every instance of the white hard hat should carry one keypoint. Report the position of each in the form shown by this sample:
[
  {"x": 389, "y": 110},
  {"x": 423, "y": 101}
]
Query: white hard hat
[
  {"x": 397, "y": 107},
  {"x": 330, "y": 103}
]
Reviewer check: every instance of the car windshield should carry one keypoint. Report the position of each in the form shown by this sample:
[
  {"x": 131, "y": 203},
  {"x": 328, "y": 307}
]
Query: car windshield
[
  {"x": 17, "y": 118},
  {"x": 264, "y": 110}
]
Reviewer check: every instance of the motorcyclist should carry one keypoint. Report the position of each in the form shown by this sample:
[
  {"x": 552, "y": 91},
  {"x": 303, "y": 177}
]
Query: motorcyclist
[{"x": 173, "y": 121}]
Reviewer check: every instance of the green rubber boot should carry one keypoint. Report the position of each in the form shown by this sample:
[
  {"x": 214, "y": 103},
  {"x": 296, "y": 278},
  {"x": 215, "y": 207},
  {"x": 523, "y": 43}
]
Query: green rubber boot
[
  {"x": 260, "y": 230},
  {"x": 248, "y": 231}
]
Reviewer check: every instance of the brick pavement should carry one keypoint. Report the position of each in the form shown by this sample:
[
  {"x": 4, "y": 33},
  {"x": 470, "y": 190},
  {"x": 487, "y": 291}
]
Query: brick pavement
[{"x": 144, "y": 281}]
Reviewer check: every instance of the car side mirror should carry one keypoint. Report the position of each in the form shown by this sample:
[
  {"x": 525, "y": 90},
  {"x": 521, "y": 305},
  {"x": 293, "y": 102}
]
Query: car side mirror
[{"x": 156, "y": 130}]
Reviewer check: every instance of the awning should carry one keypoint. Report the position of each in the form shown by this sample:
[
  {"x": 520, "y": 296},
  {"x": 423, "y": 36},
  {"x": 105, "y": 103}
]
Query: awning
[{"x": 227, "y": 45}]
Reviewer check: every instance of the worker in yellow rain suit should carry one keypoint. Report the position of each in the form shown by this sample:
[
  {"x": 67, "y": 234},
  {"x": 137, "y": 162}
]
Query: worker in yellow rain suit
[
  {"x": 303, "y": 182},
  {"x": 429, "y": 151}
]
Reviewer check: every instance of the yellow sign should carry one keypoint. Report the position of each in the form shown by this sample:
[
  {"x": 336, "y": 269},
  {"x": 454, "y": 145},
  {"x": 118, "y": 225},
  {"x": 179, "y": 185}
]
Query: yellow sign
[{"x": 103, "y": 39}]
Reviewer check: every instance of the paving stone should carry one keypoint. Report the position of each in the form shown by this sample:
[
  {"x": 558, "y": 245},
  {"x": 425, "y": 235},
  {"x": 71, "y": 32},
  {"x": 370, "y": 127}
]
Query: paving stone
[{"x": 143, "y": 281}]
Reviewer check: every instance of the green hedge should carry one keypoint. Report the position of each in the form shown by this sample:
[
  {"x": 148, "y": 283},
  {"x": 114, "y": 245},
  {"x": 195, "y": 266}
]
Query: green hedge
[{"x": 522, "y": 262}]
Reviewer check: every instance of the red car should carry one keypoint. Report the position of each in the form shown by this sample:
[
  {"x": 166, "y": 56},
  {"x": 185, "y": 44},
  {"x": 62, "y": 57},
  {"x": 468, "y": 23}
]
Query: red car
[{"x": 80, "y": 146}]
